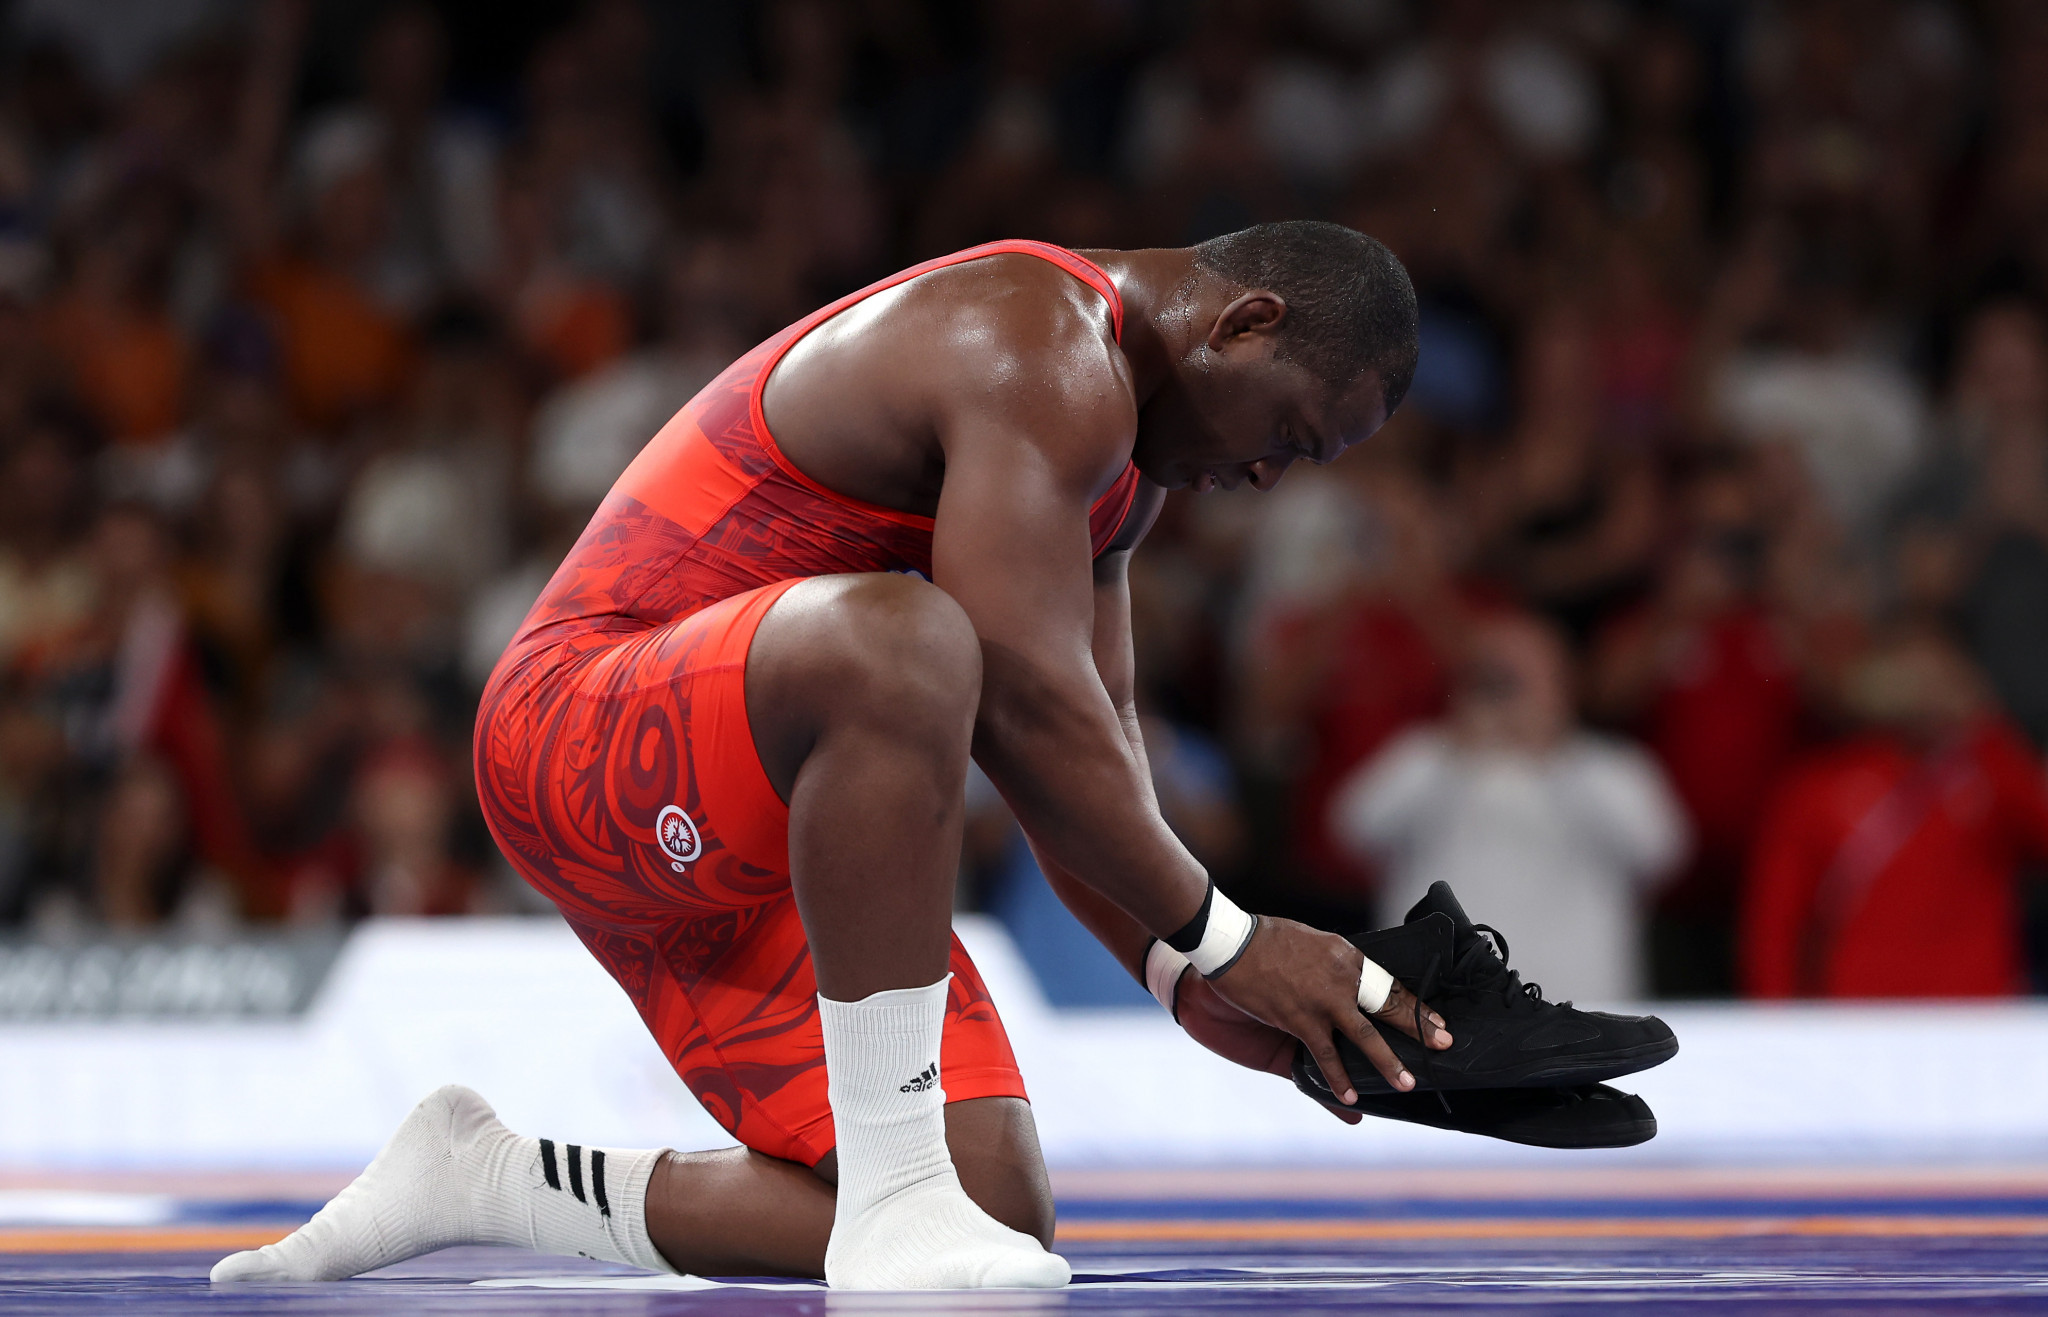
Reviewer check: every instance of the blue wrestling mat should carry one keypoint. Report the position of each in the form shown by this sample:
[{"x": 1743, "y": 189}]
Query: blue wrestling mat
[{"x": 1187, "y": 1243}]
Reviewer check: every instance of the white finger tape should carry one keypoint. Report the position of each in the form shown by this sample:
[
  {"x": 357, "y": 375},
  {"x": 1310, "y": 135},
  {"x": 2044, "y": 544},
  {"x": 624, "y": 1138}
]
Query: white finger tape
[
  {"x": 1375, "y": 985},
  {"x": 1163, "y": 966}
]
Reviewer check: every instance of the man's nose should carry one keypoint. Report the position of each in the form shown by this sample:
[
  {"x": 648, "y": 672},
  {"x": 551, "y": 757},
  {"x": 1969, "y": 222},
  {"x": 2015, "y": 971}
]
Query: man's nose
[{"x": 1266, "y": 472}]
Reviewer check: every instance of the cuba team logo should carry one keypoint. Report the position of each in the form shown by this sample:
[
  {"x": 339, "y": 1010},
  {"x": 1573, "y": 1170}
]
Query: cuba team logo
[{"x": 678, "y": 837}]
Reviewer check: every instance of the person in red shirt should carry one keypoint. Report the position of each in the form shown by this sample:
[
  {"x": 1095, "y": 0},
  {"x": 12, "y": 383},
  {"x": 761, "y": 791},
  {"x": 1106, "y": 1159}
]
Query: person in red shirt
[
  {"x": 1887, "y": 863},
  {"x": 1708, "y": 677},
  {"x": 1343, "y": 676}
]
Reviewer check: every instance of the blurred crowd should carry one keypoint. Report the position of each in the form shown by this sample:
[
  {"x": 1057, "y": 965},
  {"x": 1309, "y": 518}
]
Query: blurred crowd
[{"x": 1691, "y": 617}]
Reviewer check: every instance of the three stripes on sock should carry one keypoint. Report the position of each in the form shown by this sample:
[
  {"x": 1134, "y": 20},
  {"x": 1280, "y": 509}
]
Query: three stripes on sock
[{"x": 575, "y": 1155}]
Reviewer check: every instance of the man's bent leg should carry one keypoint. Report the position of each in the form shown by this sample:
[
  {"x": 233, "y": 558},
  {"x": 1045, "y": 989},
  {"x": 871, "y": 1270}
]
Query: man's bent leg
[
  {"x": 737, "y": 1212},
  {"x": 454, "y": 1175},
  {"x": 867, "y": 694},
  {"x": 862, "y": 693}
]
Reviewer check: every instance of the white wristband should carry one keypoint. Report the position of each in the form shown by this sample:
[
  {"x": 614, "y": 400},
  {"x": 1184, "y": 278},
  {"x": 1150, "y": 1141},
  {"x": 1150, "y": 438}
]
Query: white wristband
[
  {"x": 1223, "y": 939},
  {"x": 1375, "y": 985},
  {"x": 1163, "y": 966}
]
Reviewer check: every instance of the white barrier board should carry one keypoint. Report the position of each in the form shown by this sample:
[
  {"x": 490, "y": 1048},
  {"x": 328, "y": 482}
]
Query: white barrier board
[{"x": 518, "y": 1010}]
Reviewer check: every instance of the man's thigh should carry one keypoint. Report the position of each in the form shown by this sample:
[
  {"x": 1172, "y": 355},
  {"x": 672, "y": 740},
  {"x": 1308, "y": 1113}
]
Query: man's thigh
[{"x": 622, "y": 781}]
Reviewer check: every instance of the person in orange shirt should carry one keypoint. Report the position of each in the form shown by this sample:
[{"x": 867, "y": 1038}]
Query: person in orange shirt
[
  {"x": 1887, "y": 864},
  {"x": 110, "y": 328},
  {"x": 345, "y": 352}
]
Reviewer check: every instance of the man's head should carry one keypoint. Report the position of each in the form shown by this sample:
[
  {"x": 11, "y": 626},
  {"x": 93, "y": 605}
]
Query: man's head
[{"x": 1300, "y": 341}]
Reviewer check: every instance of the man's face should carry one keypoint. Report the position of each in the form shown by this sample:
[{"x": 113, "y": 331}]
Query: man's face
[{"x": 1234, "y": 413}]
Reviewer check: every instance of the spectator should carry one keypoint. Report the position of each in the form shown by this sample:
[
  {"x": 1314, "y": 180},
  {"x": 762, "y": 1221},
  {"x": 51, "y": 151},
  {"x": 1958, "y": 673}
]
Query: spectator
[
  {"x": 1570, "y": 518},
  {"x": 1709, "y": 676},
  {"x": 1214, "y": 128},
  {"x": 1352, "y": 656},
  {"x": 1977, "y": 514},
  {"x": 584, "y": 201},
  {"x": 311, "y": 263},
  {"x": 379, "y": 837},
  {"x": 1886, "y": 865},
  {"x": 1236, "y": 97},
  {"x": 433, "y": 504},
  {"x": 46, "y": 584},
  {"x": 587, "y": 431},
  {"x": 111, "y": 326},
  {"x": 404, "y": 808},
  {"x": 440, "y": 236},
  {"x": 1852, "y": 414},
  {"x": 46, "y": 592},
  {"x": 144, "y": 749},
  {"x": 1532, "y": 91},
  {"x": 1553, "y": 832}
]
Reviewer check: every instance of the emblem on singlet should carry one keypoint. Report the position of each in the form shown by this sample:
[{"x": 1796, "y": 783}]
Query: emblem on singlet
[{"x": 677, "y": 837}]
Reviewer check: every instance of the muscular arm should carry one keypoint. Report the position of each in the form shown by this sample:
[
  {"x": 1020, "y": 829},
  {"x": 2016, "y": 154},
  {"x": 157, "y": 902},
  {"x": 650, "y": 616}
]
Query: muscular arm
[
  {"x": 1207, "y": 1017},
  {"x": 1116, "y": 666},
  {"x": 1012, "y": 546},
  {"x": 1030, "y": 438}
]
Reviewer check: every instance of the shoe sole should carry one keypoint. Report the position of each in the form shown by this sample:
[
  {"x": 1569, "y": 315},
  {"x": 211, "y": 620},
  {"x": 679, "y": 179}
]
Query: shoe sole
[
  {"x": 1594, "y": 1070},
  {"x": 1566, "y": 1128},
  {"x": 1623, "y": 1132},
  {"x": 1553, "y": 1072}
]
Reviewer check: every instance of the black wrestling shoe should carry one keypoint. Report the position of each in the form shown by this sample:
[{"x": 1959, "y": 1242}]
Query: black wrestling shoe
[
  {"x": 1504, "y": 1034},
  {"x": 1582, "y": 1116}
]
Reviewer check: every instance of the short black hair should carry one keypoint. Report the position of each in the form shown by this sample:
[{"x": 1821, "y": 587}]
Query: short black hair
[{"x": 1350, "y": 307}]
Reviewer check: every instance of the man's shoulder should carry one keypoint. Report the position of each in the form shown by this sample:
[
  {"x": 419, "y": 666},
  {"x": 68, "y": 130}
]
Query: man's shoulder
[
  {"x": 1023, "y": 345},
  {"x": 1013, "y": 310}
]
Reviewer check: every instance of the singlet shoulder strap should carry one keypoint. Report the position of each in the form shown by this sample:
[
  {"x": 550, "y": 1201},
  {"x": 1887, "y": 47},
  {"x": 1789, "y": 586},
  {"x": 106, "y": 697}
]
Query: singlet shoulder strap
[{"x": 1087, "y": 271}]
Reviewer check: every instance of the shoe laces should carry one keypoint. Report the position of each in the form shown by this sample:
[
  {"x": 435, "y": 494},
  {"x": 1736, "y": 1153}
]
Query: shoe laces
[{"x": 1483, "y": 967}]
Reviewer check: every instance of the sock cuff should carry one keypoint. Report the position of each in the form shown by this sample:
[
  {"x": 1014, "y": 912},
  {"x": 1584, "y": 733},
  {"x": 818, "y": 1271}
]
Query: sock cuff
[
  {"x": 566, "y": 1198},
  {"x": 893, "y": 1011},
  {"x": 635, "y": 1171}
]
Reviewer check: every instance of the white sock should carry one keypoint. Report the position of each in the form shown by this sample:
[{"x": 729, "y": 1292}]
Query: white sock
[
  {"x": 902, "y": 1221},
  {"x": 453, "y": 1174}
]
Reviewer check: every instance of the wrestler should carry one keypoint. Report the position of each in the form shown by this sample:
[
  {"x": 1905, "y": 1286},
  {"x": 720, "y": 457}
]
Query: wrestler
[{"x": 731, "y": 739}]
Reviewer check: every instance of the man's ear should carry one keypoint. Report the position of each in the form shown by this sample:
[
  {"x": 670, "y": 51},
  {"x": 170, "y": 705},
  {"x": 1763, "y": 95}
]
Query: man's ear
[{"x": 1256, "y": 312}]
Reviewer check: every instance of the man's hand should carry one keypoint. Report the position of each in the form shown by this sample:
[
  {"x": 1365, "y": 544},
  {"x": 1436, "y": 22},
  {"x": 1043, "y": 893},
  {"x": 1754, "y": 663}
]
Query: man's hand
[
  {"x": 1304, "y": 983},
  {"x": 1235, "y": 1036}
]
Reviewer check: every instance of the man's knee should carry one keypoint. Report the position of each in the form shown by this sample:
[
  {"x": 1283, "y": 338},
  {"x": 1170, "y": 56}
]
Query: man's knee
[
  {"x": 893, "y": 646},
  {"x": 883, "y": 656}
]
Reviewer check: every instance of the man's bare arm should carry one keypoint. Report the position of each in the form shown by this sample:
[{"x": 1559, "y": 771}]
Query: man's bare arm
[
  {"x": 1208, "y": 1018},
  {"x": 1025, "y": 458},
  {"x": 1011, "y": 545},
  {"x": 1116, "y": 667}
]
